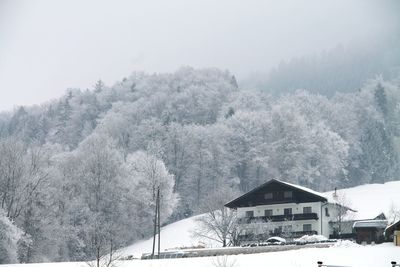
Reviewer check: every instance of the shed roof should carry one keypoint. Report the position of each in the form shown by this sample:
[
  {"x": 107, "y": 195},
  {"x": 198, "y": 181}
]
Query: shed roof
[
  {"x": 371, "y": 224},
  {"x": 393, "y": 226}
]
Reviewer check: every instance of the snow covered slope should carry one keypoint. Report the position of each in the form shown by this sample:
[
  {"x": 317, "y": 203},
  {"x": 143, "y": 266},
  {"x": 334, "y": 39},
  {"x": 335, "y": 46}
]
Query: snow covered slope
[
  {"x": 371, "y": 199},
  {"x": 178, "y": 234}
]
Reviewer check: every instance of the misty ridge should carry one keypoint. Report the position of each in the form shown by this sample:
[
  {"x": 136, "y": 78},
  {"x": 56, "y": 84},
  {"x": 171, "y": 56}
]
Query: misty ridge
[{"x": 78, "y": 173}]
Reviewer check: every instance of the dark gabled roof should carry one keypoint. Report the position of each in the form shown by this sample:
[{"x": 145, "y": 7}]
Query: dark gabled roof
[
  {"x": 379, "y": 224},
  {"x": 381, "y": 216},
  {"x": 251, "y": 195}
]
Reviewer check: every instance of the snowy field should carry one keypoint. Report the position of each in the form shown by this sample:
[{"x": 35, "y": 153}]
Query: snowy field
[{"x": 345, "y": 254}]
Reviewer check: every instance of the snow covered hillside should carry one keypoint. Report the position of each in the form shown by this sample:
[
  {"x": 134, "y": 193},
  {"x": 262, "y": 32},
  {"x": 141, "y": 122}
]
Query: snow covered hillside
[
  {"x": 175, "y": 235},
  {"x": 369, "y": 201}
]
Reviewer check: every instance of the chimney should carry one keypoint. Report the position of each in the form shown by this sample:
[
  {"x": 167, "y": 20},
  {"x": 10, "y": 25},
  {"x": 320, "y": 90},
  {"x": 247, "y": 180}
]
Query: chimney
[{"x": 335, "y": 193}]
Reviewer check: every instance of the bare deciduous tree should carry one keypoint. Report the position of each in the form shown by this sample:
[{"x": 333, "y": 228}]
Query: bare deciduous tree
[
  {"x": 341, "y": 214},
  {"x": 218, "y": 223},
  {"x": 394, "y": 213},
  {"x": 223, "y": 261}
]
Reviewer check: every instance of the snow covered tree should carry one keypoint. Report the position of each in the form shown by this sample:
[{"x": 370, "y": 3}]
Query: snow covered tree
[
  {"x": 9, "y": 236},
  {"x": 36, "y": 219},
  {"x": 379, "y": 158},
  {"x": 342, "y": 214},
  {"x": 177, "y": 153},
  {"x": 248, "y": 145},
  {"x": 99, "y": 181},
  {"x": 12, "y": 182},
  {"x": 147, "y": 173}
]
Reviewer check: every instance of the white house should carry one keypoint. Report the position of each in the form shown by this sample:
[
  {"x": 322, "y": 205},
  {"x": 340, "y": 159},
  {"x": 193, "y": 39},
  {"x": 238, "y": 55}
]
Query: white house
[{"x": 287, "y": 210}]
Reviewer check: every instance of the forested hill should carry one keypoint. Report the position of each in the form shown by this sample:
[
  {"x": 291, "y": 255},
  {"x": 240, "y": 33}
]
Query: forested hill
[{"x": 98, "y": 153}]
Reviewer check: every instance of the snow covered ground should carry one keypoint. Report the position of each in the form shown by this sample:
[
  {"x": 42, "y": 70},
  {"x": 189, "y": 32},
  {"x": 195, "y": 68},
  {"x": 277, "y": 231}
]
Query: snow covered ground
[{"x": 345, "y": 254}]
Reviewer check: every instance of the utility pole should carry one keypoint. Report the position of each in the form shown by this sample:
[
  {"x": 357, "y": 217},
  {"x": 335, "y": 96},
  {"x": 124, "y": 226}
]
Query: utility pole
[
  {"x": 157, "y": 227},
  {"x": 159, "y": 224}
]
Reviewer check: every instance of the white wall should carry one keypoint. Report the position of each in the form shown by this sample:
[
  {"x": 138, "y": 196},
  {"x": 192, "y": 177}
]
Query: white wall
[{"x": 278, "y": 209}]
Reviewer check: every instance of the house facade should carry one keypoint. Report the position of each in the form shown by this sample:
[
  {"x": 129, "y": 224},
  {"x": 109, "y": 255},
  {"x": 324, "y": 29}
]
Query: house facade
[{"x": 278, "y": 208}]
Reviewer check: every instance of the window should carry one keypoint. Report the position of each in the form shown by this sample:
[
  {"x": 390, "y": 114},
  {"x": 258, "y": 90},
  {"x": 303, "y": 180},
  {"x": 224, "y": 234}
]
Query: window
[
  {"x": 307, "y": 210},
  {"x": 287, "y": 211},
  {"x": 326, "y": 212},
  {"x": 268, "y": 196},
  {"x": 249, "y": 213},
  {"x": 307, "y": 227},
  {"x": 288, "y": 194},
  {"x": 268, "y": 213}
]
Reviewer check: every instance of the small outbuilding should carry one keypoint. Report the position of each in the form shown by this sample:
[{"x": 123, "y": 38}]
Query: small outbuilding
[
  {"x": 392, "y": 233},
  {"x": 370, "y": 231}
]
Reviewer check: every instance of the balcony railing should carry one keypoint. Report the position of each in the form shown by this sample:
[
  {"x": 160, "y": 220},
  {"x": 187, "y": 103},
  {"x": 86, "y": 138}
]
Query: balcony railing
[
  {"x": 301, "y": 233},
  {"x": 280, "y": 218},
  {"x": 265, "y": 236}
]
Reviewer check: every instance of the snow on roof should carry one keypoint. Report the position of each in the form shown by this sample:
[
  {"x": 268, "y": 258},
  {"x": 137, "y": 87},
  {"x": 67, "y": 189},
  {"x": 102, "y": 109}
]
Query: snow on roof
[
  {"x": 301, "y": 188},
  {"x": 371, "y": 223},
  {"x": 329, "y": 197},
  {"x": 392, "y": 225}
]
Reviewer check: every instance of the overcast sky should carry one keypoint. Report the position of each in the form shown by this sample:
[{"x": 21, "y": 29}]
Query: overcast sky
[{"x": 47, "y": 46}]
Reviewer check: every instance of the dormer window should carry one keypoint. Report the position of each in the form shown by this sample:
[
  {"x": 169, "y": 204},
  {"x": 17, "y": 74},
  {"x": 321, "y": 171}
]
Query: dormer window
[
  {"x": 268, "y": 196},
  {"x": 307, "y": 210},
  {"x": 288, "y": 194}
]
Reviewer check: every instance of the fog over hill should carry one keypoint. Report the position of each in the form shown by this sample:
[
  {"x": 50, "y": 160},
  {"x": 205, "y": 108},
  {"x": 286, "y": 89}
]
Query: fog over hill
[
  {"x": 82, "y": 158},
  {"x": 49, "y": 46}
]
